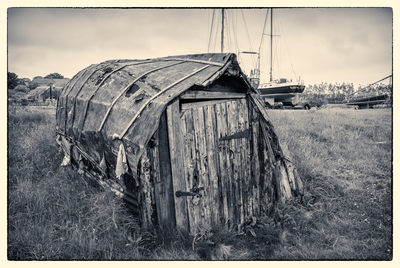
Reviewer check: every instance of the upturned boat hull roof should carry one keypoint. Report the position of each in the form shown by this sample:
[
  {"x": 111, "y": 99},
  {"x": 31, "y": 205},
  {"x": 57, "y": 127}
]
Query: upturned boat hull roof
[{"x": 124, "y": 99}]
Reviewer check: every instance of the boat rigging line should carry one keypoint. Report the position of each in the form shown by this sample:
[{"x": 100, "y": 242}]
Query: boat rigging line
[
  {"x": 262, "y": 39},
  {"x": 211, "y": 28},
  {"x": 366, "y": 87}
]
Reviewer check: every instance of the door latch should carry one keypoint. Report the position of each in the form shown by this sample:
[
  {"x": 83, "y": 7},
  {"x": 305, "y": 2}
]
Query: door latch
[{"x": 195, "y": 191}]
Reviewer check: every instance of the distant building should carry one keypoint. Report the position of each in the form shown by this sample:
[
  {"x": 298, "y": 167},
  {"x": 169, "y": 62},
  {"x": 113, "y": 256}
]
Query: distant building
[
  {"x": 60, "y": 83},
  {"x": 47, "y": 88},
  {"x": 39, "y": 93}
]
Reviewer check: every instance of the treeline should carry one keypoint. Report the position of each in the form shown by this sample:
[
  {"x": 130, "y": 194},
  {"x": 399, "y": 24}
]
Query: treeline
[
  {"x": 338, "y": 92},
  {"x": 13, "y": 81}
]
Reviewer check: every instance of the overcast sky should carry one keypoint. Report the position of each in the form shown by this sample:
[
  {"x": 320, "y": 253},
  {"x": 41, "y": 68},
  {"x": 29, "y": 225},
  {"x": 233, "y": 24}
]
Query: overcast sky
[{"x": 318, "y": 44}]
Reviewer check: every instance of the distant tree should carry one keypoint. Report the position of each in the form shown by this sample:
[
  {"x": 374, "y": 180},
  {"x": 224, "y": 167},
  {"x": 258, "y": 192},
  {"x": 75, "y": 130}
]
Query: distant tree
[
  {"x": 22, "y": 88},
  {"x": 33, "y": 85},
  {"x": 12, "y": 80},
  {"x": 54, "y": 76}
]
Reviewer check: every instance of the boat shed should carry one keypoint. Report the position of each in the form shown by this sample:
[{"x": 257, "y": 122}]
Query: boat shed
[{"x": 185, "y": 140}]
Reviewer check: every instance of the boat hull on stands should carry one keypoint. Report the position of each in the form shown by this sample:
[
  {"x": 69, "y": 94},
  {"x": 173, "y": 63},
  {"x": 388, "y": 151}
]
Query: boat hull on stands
[
  {"x": 369, "y": 101},
  {"x": 283, "y": 92},
  {"x": 281, "y": 88}
]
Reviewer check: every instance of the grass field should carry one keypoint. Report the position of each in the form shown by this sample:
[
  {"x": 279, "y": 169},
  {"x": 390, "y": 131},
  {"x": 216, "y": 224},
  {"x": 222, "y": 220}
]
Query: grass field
[{"x": 344, "y": 157}]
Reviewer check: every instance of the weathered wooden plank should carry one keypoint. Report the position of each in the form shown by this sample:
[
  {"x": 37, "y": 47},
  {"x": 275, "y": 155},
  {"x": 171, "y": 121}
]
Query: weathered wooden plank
[
  {"x": 231, "y": 111},
  {"x": 263, "y": 154},
  {"x": 210, "y": 123},
  {"x": 228, "y": 164},
  {"x": 155, "y": 174},
  {"x": 289, "y": 168},
  {"x": 267, "y": 139},
  {"x": 245, "y": 183},
  {"x": 255, "y": 165},
  {"x": 154, "y": 216},
  {"x": 268, "y": 163},
  {"x": 202, "y": 164},
  {"x": 296, "y": 183},
  {"x": 239, "y": 168},
  {"x": 175, "y": 146},
  {"x": 252, "y": 190},
  {"x": 251, "y": 180},
  {"x": 190, "y": 170},
  {"x": 221, "y": 131},
  {"x": 200, "y": 94},
  {"x": 166, "y": 205},
  {"x": 145, "y": 189},
  {"x": 241, "y": 158},
  {"x": 240, "y": 143},
  {"x": 187, "y": 163},
  {"x": 208, "y": 208},
  {"x": 283, "y": 183}
]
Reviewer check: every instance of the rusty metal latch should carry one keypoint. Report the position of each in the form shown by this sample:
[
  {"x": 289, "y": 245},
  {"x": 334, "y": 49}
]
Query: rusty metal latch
[
  {"x": 239, "y": 135},
  {"x": 194, "y": 192}
]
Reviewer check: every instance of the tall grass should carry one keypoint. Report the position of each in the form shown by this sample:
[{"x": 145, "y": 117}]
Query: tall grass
[
  {"x": 55, "y": 214},
  {"x": 346, "y": 213},
  {"x": 345, "y": 158}
]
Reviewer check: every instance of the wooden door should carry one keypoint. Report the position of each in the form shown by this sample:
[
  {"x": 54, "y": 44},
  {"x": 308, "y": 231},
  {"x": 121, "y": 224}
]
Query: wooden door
[{"x": 216, "y": 169}]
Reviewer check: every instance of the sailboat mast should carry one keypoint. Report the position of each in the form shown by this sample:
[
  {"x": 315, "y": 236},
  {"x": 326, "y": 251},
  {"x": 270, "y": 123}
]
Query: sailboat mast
[
  {"x": 270, "y": 70},
  {"x": 222, "y": 30}
]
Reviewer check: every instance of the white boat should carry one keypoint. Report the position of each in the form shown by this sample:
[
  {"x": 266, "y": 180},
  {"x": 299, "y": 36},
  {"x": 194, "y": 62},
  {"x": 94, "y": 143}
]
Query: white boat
[{"x": 276, "y": 91}]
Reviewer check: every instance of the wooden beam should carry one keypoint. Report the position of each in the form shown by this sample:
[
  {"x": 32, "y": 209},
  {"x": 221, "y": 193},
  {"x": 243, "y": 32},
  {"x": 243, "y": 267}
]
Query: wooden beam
[
  {"x": 175, "y": 138},
  {"x": 199, "y": 94}
]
